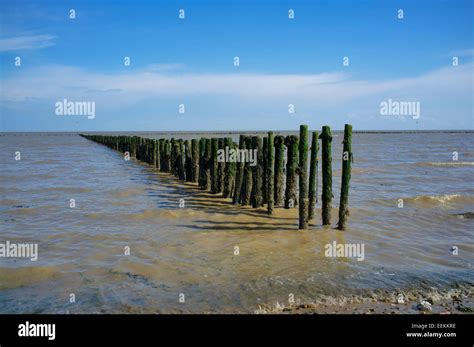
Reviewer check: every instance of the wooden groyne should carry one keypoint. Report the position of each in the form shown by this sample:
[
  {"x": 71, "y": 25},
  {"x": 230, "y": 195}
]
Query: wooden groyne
[{"x": 252, "y": 172}]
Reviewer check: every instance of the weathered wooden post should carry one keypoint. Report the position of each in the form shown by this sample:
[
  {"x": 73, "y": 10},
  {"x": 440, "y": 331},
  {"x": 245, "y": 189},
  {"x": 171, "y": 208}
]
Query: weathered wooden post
[
  {"x": 269, "y": 176},
  {"x": 181, "y": 158},
  {"x": 202, "y": 158},
  {"x": 195, "y": 160},
  {"x": 257, "y": 198},
  {"x": 161, "y": 154},
  {"x": 173, "y": 156},
  {"x": 247, "y": 177},
  {"x": 167, "y": 147},
  {"x": 229, "y": 170},
  {"x": 345, "y": 176},
  {"x": 188, "y": 162},
  {"x": 265, "y": 170},
  {"x": 157, "y": 154},
  {"x": 303, "y": 177},
  {"x": 326, "y": 197},
  {"x": 213, "y": 168},
  {"x": 278, "y": 171},
  {"x": 313, "y": 176},
  {"x": 291, "y": 142},
  {"x": 220, "y": 166},
  {"x": 206, "y": 179},
  {"x": 240, "y": 173}
]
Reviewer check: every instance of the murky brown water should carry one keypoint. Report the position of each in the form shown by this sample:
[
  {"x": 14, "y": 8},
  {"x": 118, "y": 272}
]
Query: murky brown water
[{"x": 191, "y": 250}]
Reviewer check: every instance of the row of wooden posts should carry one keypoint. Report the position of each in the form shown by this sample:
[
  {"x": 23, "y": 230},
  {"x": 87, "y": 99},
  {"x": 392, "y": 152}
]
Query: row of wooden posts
[{"x": 262, "y": 184}]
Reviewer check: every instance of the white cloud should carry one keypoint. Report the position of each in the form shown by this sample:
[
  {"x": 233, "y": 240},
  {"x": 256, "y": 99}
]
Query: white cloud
[
  {"x": 445, "y": 94},
  {"x": 26, "y": 42},
  {"x": 53, "y": 82}
]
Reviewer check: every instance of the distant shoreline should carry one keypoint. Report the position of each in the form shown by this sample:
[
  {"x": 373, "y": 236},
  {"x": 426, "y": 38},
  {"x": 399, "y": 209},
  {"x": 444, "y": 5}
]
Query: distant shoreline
[{"x": 233, "y": 132}]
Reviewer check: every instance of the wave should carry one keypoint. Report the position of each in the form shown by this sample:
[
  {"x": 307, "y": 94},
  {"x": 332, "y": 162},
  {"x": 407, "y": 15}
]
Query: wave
[
  {"x": 436, "y": 200},
  {"x": 387, "y": 297},
  {"x": 450, "y": 163}
]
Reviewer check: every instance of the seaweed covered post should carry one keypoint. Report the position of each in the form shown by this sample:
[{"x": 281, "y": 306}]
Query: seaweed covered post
[
  {"x": 239, "y": 173},
  {"x": 256, "y": 196},
  {"x": 195, "y": 149},
  {"x": 157, "y": 154},
  {"x": 162, "y": 155},
  {"x": 313, "y": 176},
  {"x": 264, "y": 171},
  {"x": 278, "y": 170},
  {"x": 303, "y": 177},
  {"x": 188, "y": 163},
  {"x": 220, "y": 165},
  {"x": 229, "y": 170},
  {"x": 346, "y": 176},
  {"x": 269, "y": 176},
  {"x": 202, "y": 156},
  {"x": 326, "y": 197},
  {"x": 247, "y": 177},
  {"x": 167, "y": 147},
  {"x": 173, "y": 157},
  {"x": 181, "y": 163},
  {"x": 206, "y": 180},
  {"x": 213, "y": 166},
  {"x": 291, "y": 142}
]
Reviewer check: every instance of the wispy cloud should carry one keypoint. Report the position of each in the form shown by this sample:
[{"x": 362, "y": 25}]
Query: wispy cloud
[
  {"x": 27, "y": 42},
  {"x": 332, "y": 87},
  {"x": 445, "y": 94}
]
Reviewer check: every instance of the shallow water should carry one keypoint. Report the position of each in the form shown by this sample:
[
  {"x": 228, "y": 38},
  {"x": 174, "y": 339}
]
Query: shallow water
[{"x": 190, "y": 250}]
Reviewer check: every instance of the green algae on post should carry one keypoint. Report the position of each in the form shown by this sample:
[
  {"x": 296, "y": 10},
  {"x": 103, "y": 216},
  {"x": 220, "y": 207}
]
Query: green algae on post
[
  {"x": 303, "y": 177},
  {"x": 291, "y": 143},
  {"x": 313, "y": 176},
  {"x": 269, "y": 175},
  {"x": 345, "y": 176},
  {"x": 326, "y": 197}
]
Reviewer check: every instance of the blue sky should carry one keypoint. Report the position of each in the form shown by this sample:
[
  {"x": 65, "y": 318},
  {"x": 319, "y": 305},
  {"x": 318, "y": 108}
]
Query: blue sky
[{"x": 282, "y": 61}]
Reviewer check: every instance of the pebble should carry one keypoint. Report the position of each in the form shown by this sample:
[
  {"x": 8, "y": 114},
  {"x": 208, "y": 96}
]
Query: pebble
[{"x": 424, "y": 306}]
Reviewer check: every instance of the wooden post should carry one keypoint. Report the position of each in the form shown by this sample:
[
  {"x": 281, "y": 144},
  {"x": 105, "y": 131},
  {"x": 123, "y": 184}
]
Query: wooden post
[
  {"x": 167, "y": 148},
  {"x": 214, "y": 148},
  {"x": 269, "y": 176},
  {"x": 173, "y": 157},
  {"x": 257, "y": 198},
  {"x": 206, "y": 181},
  {"x": 345, "y": 177},
  {"x": 229, "y": 171},
  {"x": 161, "y": 148},
  {"x": 264, "y": 171},
  {"x": 313, "y": 176},
  {"x": 326, "y": 197},
  {"x": 157, "y": 154},
  {"x": 195, "y": 160},
  {"x": 181, "y": 158},
  {"x": 188, "y": 162},
  {"x": 220, "y": 167},
  {"x": 278, "y": 171},
  {"x": 303, "y": 179},
  {"x": 247, "y": 177},
  {"x": 291, "y": 168},
  {"x": 239, "y": 174},
  {"x": 202, "y": 158}
]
